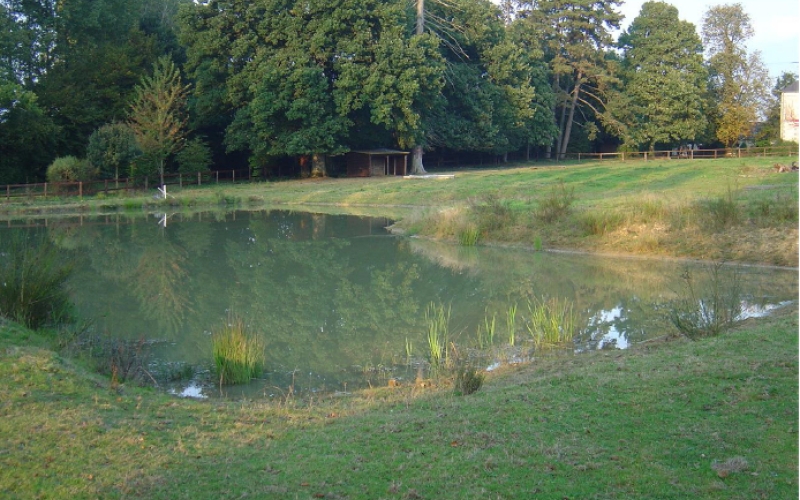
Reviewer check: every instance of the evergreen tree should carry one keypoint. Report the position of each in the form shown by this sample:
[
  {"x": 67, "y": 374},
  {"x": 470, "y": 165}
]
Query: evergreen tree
[{"x": 664, "y": 77}]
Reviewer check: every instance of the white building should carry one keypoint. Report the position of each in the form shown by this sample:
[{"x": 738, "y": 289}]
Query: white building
[{"x": 790, "y": 113}]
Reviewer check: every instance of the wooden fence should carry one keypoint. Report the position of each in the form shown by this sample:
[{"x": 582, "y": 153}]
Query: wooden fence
[
  {"x": 63, "y": 189},
  {"x": 691, "y": 154}
]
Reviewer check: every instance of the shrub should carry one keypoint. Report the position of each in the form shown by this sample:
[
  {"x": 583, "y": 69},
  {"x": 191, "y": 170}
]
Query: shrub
[
  {"x": 722, "y": 212},
  {"x": 707, "y": 307},
  {"x": 468, "y": 236},
  {"x": 33, "y": 283},
  {"x": 238, "y": 353},
  {"x": 70, "y": 169},
  {"x": 468, "y": 381},
  {"x": 601, "y": 222},
  {"x": 556, "y": 203},
  {"x": 111, "y": 150}
]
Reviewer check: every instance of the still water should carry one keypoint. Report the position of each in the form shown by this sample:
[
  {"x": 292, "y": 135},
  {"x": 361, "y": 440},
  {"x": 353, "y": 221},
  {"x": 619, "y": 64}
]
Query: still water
[{"x": 340, "y": 302}]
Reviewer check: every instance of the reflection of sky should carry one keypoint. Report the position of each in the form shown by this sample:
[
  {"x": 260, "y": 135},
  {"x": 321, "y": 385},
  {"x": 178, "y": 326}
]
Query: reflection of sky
[{"x": 603, "y": 322}]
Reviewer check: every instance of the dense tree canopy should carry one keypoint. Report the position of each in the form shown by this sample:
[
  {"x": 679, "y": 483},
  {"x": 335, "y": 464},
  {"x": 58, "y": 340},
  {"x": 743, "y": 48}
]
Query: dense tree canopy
[
  {"x": 664, "y": 78},
  {"x": 290, "y": 82}
]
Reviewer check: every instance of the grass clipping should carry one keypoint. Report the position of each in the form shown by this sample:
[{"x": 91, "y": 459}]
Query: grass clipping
[{"x": 238, "y": 353}]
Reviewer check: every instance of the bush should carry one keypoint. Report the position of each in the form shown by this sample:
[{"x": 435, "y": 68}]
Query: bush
[
  {"x": 33, "y": 283},
  {"x": 70, "y": 169},
  {"x": 708, "y": 307},
  {"x": 468, "y": 381},
  {"x": 111, "y": 150},
  {"x": 238, "y": 353},
  {"x": 556, "y": 204}
]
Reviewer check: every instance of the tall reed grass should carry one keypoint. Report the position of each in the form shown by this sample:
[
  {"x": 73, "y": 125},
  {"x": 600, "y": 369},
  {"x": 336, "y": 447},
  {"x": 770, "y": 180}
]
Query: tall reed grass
[
  {"x": 238, "y": 353},
  {"x": 438, "y": 320},
  {"x": 511, "y": 324},
  {"x": 33, "y": 282},
  {"x": 552, "y": 322}
]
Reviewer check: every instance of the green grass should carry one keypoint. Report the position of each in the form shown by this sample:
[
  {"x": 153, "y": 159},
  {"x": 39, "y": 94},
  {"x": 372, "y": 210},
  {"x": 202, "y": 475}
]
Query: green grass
[
  {"x": 713, "y": 419},
  {"x": 238, "y": 353}
]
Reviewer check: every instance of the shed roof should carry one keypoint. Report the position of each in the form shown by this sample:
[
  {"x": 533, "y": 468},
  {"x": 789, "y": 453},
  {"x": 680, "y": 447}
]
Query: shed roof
[{"x": 793, "y": 87}]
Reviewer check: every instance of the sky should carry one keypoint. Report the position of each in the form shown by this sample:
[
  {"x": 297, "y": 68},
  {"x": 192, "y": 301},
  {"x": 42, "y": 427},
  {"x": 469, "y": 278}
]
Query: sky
[{"x": 776, "y": 24}]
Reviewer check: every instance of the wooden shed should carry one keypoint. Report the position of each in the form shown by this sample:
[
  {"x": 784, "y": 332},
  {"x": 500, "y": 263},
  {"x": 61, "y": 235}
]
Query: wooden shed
[{"x": 376, "y": 162}]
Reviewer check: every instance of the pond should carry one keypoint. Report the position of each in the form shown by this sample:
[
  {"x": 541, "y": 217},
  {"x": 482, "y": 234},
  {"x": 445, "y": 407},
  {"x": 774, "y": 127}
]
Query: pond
[{"x": 341, "y": 303}]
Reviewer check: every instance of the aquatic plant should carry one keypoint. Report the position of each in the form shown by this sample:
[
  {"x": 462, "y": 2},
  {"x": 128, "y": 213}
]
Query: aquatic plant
[
  {"x": 238, "y": 353},
  {"x": 468, "y": 236},
  {"x": 33, "y": 280},
  {"x": 552, "y": 322},
  {"x": 707, "y": 307},
  {"x": 511, "y": 324},
  {"x": 438, "y": 320},
  {"x": 485, "y": 332}
]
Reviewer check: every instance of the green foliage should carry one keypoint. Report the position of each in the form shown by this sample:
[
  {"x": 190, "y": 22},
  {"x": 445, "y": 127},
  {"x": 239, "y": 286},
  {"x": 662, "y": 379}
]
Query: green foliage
[
  {"x": 112, "y": 148},
  {"x": 710, "y": 306},
  {"x": 238, "y": 353},
  {"x": 158, "y": 114},
  {"x": 739, "y": 81},
  {"x": 70, "y": 169},
  {"x": 27, "y": 135},
  {"x": 33, "y": 281},
  {"x": 552, "y": 322},
  {"x": 194, "y": 157},
  {"x": 664, "y": 78}
]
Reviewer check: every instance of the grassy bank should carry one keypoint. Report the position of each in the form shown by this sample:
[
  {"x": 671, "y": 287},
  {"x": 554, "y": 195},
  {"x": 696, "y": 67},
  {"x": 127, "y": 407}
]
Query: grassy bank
[
  {"x": 727, "y": 209},
  {"x": 716, "y": 418}
]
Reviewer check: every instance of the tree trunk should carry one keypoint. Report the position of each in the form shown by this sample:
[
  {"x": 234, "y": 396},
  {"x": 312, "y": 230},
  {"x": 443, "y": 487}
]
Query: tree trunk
[
  {"x": 305, "y": 171},
  {"x": 573, "y": 105},
  {"x": 319, "y": 166},
  {"x": 416, "y": 162}
]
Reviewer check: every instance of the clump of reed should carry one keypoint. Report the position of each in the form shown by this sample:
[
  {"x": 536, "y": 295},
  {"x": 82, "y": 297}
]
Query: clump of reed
[
  {"x": 556, "y": 203},
  {"x": 552, "y": 322},
  {"x": 238, "y": 353},
  {"x": 33, "y": 279},
  {"x": 722, "y": 212},
  {"x": 511, "y": 324},
  {"x": 468, "y": 236},
  {"x": 707, "y": 307},
  {"x": 437, "y": 318}
]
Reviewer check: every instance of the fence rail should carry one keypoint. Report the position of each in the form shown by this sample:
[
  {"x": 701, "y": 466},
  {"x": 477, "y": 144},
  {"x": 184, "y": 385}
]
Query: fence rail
[
  {"x": 64, "y": 189},
  {"x": 688, "y": 153}
]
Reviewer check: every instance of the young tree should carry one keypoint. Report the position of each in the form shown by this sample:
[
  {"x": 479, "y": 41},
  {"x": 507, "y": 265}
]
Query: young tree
[
  {"x": 739, "y": 81},
  {"x": 664, "y": 77},
  {"x": 158, "y": 114},
  {"x": 112, "y": 148}
]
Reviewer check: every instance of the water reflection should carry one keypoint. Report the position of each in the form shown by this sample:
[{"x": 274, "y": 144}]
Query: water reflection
[{"x": 341, "y": 302}]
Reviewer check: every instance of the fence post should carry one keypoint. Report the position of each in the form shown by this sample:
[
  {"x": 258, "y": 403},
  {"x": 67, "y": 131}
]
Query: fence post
[
  {"x": 233, "y": 176},
  {"x": 45, "y": 190},
  {"x": 145, "y": 183},
  {"x": 198, "y": 178},
  {"x": 645, "y": 156},
  {"x": 80, "y": 189},
  {"x": 180, "y": 180},
  {"x": 217, "y": 172},
  {"x": 8, "y": 192},
  {"x": 105, "y": 187}
]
